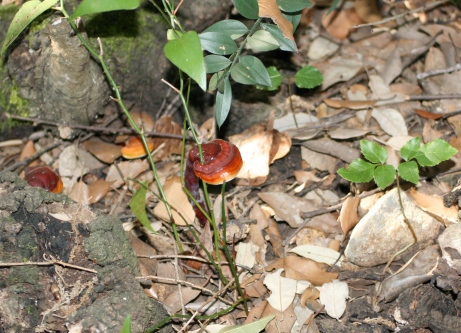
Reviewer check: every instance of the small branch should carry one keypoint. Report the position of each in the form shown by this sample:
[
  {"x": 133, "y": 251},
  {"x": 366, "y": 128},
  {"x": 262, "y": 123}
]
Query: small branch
[
  {"x": 97, "y": 128},
  {"x": 29, "y": 160},
  {"x": 393, "y": 18},
  {"x": 434, "y": 72},
  {"x": 47, "y": 263}
]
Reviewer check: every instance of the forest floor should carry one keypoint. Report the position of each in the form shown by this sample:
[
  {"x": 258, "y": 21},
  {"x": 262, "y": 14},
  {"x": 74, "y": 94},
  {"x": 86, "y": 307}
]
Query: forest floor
[{"x": 317, "y": 252}]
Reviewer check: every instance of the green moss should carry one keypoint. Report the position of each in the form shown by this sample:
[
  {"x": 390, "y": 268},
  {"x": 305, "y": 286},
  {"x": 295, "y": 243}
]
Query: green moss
[{"x": 23, "y": 274}]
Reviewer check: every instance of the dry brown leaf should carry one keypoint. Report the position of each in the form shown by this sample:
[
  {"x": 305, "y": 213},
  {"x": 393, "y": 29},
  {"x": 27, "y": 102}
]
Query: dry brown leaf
[
  {"x": 368, "y": 11},
  {"x": 98, "y": 190},
  {"x": 339, "y": 23},
  {"x": 435, "y": 207},
  {"x": 256, "y": 312},
  {"x": 256, "y": 234},
  {"x": 27, "y": 151},
  {"x": 143, "y": 120},
  {"x": 353, "y": 105},
  {"x": 106, "y": 152},
  {"x": 311, "y": 293},
  {"x": 309, "y": 270},
  {"x": 254, "y": 286},
  {"x": 319, "y": 161},
  {"x": 348, "y": 217},
  {"x": 279, "y": 263},
  {"x": 167, "y": 125},
  {"x": 178, "y": 200},
  {"x": 255, "y": 145},
  {"x": 275, "y": 238},
  {"x": 129, "y": 169},
  {"x": 303, "y": 176},
  {"x": 283, "y": 321},
  {"x": 281, "y": 145},
  {"x": 142, "y": 249},
  {"x": 80, "y": 193},
  {"x": 333, "y": 148},
  {"x": 269, "y": 8}
]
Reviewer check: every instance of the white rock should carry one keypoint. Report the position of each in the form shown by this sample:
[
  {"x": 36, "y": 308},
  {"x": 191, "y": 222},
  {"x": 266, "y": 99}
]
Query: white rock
[
  {"x": 450, "y": 243},
  {"x": 382, "y": 232}
]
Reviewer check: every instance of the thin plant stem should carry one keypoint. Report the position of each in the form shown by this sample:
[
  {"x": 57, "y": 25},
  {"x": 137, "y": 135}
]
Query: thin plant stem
[
  {"x": 229, "y": 258},
  {"x": 99, "y": 57}
]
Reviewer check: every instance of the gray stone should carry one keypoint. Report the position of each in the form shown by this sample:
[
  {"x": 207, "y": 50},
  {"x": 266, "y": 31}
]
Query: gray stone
[
  {"x": 383, "y": 232},
  {"x": 450, "y": 243}
]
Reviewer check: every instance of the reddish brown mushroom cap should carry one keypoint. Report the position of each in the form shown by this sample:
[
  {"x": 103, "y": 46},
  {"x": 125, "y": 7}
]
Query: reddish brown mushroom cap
[
  {"x": 44, "y": 177},
  {"x": 135, "y": 149},
  {"x": 222, "y": 162}
]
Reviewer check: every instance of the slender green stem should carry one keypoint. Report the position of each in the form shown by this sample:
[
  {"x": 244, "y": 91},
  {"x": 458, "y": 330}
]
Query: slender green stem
[
  {"x": 229, "y": 258},
  {"x": 99, "y": 57}
]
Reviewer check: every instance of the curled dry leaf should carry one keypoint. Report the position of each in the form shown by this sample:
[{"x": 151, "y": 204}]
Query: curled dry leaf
[
  {"x": 354, "y": 105},
  {"x": 143, "y": 120},
  {"x": 340, "y": 23},
  {"x": 27, "y": 151},
  {"x": 256, "y": 232},
  {"x": 104, "y": 151},
  {"x": 89, "y": 194},
  {"x": 269, "y": 8},
  {"x": 348, "y": 217},
  {"x": 306, "y": 269},
  {"x": 435, "y": 207}
]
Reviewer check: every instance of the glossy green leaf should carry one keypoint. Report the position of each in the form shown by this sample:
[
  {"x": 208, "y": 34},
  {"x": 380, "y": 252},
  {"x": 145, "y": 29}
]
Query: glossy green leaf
[
  {"x": 285, "y": 43},
  {"x": 409, "y": 171},
  {"x": 126, "y": 328},
  {"x": 247, "y": 8},
  {"x": 411, "y": 149},
  {"x": 29, "y": 11},
  {"x": 359, "y": 171},
  {"x": 276, "y": 79},
  {"x": 93, "y": 7},
  {"x": 250, "y": 70},
  {"x": 186, "y": 54},
  {"x": 373, "y": 152},
  {"x": 233, "y": 28},
  {"x": 308, "y": 77},
  {"x": 262, "y": 41},
  {"x": 218, "y": 43},
  {"x": 215, "y": 63},
  {"x": 253, "y": 327},
  {"x": 138, "y": 206},
  {"x": 436, "y": 152},
  {"x": 223, "y": 103},
  {"x": 293, "y": 5},
  {"x": 384, "y": 175}
]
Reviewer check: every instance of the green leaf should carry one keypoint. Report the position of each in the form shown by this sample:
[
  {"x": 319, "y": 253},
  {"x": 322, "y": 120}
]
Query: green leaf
[
  {"x": 285, "y": 43},
  {"x": 29, "y": 11},
  {"x": 294, "y": 18},
  {"x": 262, "y": 41},
  {"x": 435, "y": 152},
  {"x": 186, "y": 54},
  {"x": 218, "y": 43},
  {"x": 126, "y": 328},
  {"x": 411, "y": 149},
  {"x": 215, "y": 63},
  {"x": 250, "y": 70},
  {"x": 293, "y": 5},
  {"x": 223, "y": 103},
  {"x": 254, "y": 327},
  {"x": 138, "y": 206},
  {"x": 247, "y": 8},
  {"x": 308, "y": 77},
  {"x": 333, "y": 6},
  {"x": 276, "y": 79},
  {"x": 233, "y": 28},
  {"x": 384, "y": 175},
  {"x": 409, "y": 171},
  {"x": 359, "y": 171},
  {"x": 92, "y": 7},
  {"x": 215, "y": 79},
  {"x": 373, "y": 152}
]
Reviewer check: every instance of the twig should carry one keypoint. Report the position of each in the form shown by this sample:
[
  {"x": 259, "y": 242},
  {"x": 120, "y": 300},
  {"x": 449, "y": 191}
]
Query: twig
[
  {"x": 46, "y": 263},
  {"x": 97, "y": 128},
  {"x": 395, "y": 17},
  {"x": 422, "y": 76},
  {"x": 431, "y": 97},
  {"x": 307, "y": 216},
  {"x": 186, "y": 283},
  {"x": 28, "y": 160}
]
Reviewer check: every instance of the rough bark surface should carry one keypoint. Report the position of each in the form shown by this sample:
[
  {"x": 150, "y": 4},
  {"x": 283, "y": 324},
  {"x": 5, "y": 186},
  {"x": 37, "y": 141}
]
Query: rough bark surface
[{"x": 38, "y": 226}]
